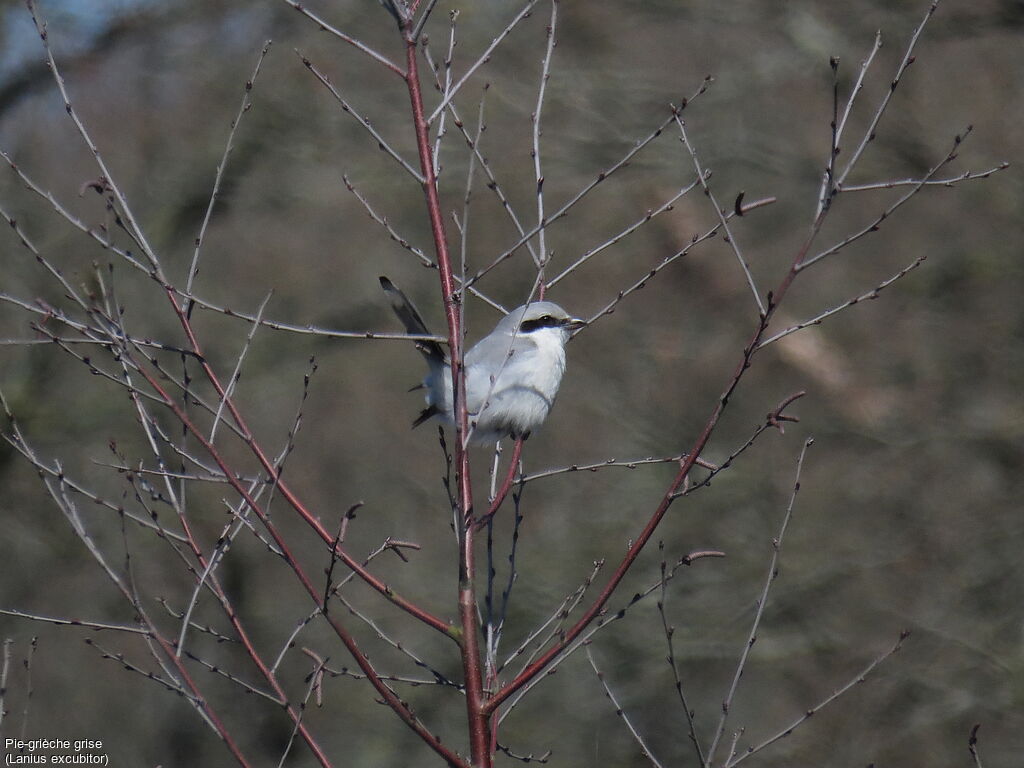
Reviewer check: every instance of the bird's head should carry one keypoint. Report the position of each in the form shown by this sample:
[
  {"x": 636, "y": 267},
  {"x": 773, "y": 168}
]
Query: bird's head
[{"x": 540, "y": 317}]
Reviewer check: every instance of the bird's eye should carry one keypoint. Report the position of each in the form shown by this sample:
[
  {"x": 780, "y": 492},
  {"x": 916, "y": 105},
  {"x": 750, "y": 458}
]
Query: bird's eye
[{"x": 547, "y": 320}]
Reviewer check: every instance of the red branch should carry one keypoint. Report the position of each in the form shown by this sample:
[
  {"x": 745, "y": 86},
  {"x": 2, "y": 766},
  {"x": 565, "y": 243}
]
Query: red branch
[
  {"x": 597, "y": 608},
  {"x": 389, "y": 696},
  {"x": 250, "y": 648},
  {"x": 470, "y": 641},
  {"x": 382, "y": 587},
  {"x": 506, "y": 485},
  {"x": 168, "y": 650}
]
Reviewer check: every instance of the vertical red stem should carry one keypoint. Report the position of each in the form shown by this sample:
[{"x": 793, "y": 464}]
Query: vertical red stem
[{"x": 479, "y": 736}]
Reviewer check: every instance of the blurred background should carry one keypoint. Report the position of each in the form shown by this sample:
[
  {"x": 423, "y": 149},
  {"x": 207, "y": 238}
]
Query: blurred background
[{"x": 910, "y": 513}]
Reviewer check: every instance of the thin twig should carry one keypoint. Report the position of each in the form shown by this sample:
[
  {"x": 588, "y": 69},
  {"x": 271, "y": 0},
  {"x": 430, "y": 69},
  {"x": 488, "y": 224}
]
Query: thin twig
[
  {"x": 702, "y": 177},
  {"x": 530, "y": 758},
  {"x": 418, "y": 29},
  {"x": 621, "y": 463},
  {"x": 474, "y": 144},
  {"x": 441, "y": 129},
  {"x": 506, "y": 594},
  {"x": 568, "y": 648},
  {"x": 314, "y": 679},
  {"x": 774, "y": 419},
  {"x": 972, "y": 745},
  {"x": 438, "y": 676},
  {"x": 233, "y": 379},
  {"x": 671, "y": 658},
  {"x": 73, "y": 220},
  {"x": 220, "y": 637},
  {"x": 17, "y": 441},
  {"x": 132, "y": 227},
  {"x": 869, "y": 134},
  {"x": 668, "y": 205},
  {"x": 773, "y": 573},
  {"x": 543, "y": 256},
  {"x": 366, "y": 124},
  {"x": 483, "y": 59},
  {"x": 29, "y": 690},
  {"x": 588, "y": 188},
  {"x": 217, "y": 669},
  {"x": 644, "y": 749},
  {"x": 860, "y": 678},
  {"x": 827, "y": 192},
  {"x": 4, "y": 670},
  {"x": 876, "y": 224},
  {"x": 870, "y": 295},
  {"x": 308, "y": 329},
  {"x": 694, "y": 242},
  {"x": 60, "y": 621},
  {"x": 417, "y": 252},
  {"x": 380, "y": 59},
  {"x": 244, "y": 107},
  {"x": 952, "y": 181},
  {"x": 560, "y": 614},
  {"x": 855, "y": 92}
]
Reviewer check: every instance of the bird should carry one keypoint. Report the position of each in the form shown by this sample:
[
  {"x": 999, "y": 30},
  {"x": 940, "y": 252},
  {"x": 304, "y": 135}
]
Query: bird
[{"x": 512, "y": 374}]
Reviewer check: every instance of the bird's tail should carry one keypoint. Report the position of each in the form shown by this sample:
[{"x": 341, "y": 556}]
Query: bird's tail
[
  {"x": 427, "y": 413},
  {"x": 413, "y": 322}
]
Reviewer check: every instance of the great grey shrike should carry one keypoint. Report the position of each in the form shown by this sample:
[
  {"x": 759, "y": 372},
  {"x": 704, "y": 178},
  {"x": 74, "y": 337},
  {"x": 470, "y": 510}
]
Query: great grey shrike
[{"x": 512, "y": 374}]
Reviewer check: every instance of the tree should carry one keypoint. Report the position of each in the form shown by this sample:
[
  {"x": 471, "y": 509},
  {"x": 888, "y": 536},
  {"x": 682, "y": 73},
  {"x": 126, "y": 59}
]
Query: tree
[{"x": 188, "y": 443}]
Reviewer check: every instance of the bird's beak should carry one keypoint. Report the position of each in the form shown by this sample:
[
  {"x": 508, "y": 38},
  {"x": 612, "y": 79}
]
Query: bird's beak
[{"x": 574, "y": 324}]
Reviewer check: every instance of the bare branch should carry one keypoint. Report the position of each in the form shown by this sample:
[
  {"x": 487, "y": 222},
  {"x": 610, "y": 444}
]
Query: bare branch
[
  {"x": 310, "y": 329},
  {"x": 587, "y": 189},
  {"x": 98, "y": 625},
  {"x": 972, "y": 746},
  {"x": 380, "y": 59},
  {"x": 671, "y": 658},
  {"x": 949, "y": 182},
  {"x": 441, "y": 130},
  {"x": 4, "y": 670},
  {"x": 543, "y": 256},
  {"x": 702, "y": 177},
  {"x": 642, "y": 281},
  {"x": 485, "y": 166},
  {"x": 908, "y": 59},
  {"x": 860, "y": 678},
  {"x": 621, "y": 463},
  {"x": 530, "y": 758},
  {"x": 132, "y": 667},
  {"x": 761, "y": 603},
  {"x": 855, "y": 92},
  {"x": 566, "y": 649},
  {"x": 247, "y": 687},
  {"x": 619, "y": 711},
  {"x": 874, "y": 226},
  {"x": 483, "y": 59},
  {"x": 870, "y": 295},
  {"x": 668, "y": 205},
  {"x": 346, "y": 107},
  {"x": 422, "y": 21},
  {"x": 244, "y": 107},
  {"x": 132, "y": 227},
  {"x": 233, "y": 380}
]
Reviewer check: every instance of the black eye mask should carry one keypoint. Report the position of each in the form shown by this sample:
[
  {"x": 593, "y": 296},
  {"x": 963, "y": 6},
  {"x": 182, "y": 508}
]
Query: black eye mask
[{"x": 547, "y": 321}]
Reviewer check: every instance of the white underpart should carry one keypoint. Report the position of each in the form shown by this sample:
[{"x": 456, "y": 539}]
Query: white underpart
[{"x": 519, "y": 398}]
